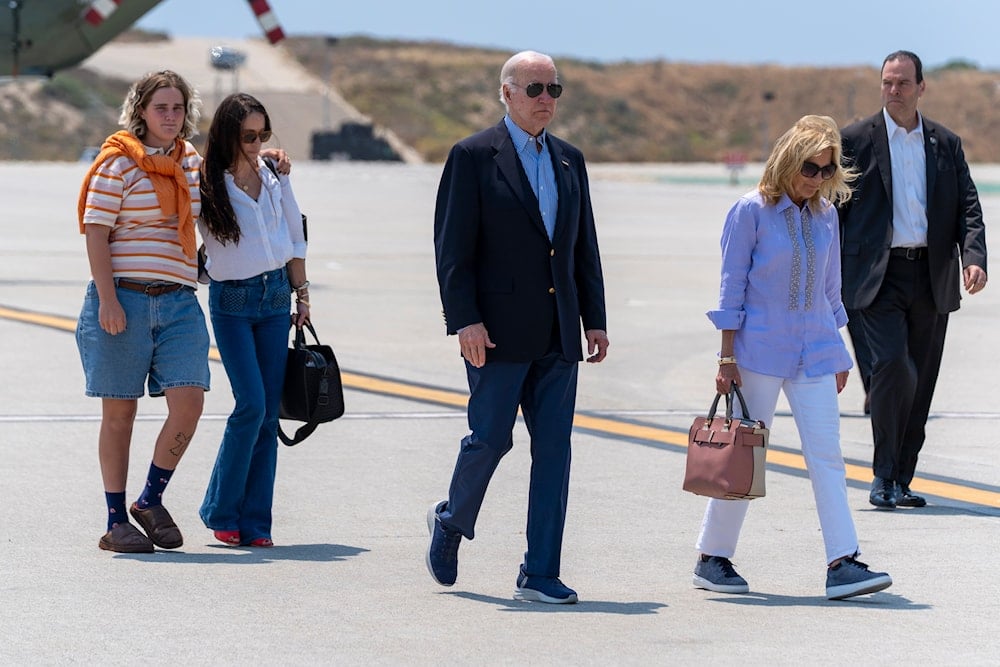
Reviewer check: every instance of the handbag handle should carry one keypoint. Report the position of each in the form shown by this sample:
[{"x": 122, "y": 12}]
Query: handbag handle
[
  {"x": 729, "y": 404},
  {"x": 300, "y": 335}
]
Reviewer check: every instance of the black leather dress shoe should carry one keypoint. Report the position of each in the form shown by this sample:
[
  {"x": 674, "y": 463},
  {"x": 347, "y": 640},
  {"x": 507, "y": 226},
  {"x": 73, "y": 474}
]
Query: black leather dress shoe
[
  {"x": 908, "y": 499},
  {"x": 884, "y": 493}
]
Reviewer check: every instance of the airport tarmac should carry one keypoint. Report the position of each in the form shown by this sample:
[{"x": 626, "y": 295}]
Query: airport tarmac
[{"x": 347, "y": 584}]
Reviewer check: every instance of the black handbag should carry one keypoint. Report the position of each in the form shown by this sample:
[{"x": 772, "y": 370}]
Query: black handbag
[{"x": 313, "y": 392}]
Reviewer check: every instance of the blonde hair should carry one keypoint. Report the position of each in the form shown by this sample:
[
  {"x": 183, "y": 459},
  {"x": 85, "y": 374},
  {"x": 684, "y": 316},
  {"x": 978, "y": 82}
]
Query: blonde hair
[
  {"x": 141, "y": 92},
  {"x": 809, "y": 136}
]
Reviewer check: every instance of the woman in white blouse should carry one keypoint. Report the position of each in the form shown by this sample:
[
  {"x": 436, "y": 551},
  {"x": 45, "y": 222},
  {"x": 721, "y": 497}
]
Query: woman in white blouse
[{"x": 256, "y": 247}]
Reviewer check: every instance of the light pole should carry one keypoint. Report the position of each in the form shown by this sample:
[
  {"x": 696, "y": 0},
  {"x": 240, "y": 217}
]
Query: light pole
[{"x": 768, "y": 97}]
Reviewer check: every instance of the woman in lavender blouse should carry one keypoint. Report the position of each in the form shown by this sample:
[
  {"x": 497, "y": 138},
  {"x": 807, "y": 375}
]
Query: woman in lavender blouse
[{"x": 780, "y": 312}]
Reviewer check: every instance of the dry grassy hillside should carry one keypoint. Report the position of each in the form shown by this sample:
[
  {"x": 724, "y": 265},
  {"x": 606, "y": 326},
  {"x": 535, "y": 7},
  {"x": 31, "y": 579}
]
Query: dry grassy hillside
[{"x": 433, "y": 94}]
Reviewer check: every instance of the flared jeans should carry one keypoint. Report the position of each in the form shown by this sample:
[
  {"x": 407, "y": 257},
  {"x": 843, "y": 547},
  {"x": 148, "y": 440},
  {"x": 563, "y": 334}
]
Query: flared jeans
[{"x": 251, "y": 319}]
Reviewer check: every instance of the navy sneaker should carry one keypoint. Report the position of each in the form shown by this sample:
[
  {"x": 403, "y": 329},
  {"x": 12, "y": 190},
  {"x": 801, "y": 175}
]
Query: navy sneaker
[
  {"x": 851, "y": 577},
  {"x": 543, "y": 589},
  {"x": 442, "y": 553},
  {"x": 715, "y": 573}
]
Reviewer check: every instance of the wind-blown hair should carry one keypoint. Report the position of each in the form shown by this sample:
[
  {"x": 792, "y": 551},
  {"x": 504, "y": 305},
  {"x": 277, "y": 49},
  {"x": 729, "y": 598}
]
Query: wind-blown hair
[
  {"x": 223, "y": 149},
  {"x": 509, "y": 70},
  {"x": 810, "y": 135},
  {"x": 140, "y": 93}
]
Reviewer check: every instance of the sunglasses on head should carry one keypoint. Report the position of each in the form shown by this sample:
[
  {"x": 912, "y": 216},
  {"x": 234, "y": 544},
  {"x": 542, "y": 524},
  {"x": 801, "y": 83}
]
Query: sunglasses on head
[
  {"x": 251, "y": 136},
  {"x": 810, "y": 169},
  {"x": 535, "y": 89}
]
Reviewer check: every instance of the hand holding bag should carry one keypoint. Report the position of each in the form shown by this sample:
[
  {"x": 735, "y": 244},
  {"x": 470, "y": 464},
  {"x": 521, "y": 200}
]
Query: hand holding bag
[
  {"x": 313, "y": 392},
  {"x": 726, "y": 456}
]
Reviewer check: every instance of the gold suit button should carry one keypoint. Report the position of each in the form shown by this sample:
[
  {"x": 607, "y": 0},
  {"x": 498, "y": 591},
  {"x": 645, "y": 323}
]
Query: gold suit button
[
  {"x": 552, "y": 290},
  {"x": 552, "y": 253}
]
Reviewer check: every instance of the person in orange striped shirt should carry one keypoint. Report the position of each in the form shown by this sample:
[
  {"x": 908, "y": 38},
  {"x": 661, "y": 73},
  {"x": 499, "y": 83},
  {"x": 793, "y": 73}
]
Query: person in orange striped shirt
[{"x": 141, "y": 323}]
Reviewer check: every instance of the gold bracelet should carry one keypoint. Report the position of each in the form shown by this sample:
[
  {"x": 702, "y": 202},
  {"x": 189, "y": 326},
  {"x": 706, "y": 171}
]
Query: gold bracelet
[{"x": 726, "y": 360}]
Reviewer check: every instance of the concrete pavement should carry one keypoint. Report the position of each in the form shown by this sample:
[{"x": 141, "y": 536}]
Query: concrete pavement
[{"x": 347, "y": 583}]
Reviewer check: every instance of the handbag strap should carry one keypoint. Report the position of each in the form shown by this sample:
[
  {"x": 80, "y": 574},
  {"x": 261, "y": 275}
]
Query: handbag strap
[
  {"x": 729, "y": 404},
  {"x": 323, "y": 399},
  {"x": 300, "y": 335}
]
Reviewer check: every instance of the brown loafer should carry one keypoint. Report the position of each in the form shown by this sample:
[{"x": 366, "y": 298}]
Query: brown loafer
[
  {"x": 126, "y": 539},
  {"x": 159, "y": 526}
]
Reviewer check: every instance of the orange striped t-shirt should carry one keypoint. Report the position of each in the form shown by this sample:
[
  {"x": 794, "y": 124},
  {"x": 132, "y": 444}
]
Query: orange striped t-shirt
[{"x": 144, "y": 243}]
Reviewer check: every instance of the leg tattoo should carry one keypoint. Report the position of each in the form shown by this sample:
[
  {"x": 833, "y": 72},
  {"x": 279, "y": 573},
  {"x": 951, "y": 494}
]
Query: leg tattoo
[{"x": 182, "y": 442}]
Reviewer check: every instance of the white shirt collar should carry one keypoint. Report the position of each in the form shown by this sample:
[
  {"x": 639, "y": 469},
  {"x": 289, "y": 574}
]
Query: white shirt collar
[{"x": 891, "y": 126}]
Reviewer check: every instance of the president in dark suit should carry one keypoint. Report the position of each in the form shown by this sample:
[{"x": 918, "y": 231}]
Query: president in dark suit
[
  {"x": 518, "y": 269},
  {"x": 911, "y": 235}
]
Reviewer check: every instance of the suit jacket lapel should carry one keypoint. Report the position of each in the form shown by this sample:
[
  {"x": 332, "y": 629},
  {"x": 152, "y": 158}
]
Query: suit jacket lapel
[
  {"x": 510, "y": 167},
  {"x": 563, "y": 179},
  {"x": 930, "y": 152},
  {"x": 880, "y": 148}
]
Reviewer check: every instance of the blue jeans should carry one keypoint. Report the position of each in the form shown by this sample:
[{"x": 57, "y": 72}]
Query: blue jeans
[{"x": 251, "y": 321}]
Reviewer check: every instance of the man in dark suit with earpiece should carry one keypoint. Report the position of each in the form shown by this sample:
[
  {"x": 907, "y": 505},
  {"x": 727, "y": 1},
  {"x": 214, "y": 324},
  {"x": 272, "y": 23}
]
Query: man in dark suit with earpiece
[
  {"x": 519, "y": 270},
  {"x": 911, "y": 235}
]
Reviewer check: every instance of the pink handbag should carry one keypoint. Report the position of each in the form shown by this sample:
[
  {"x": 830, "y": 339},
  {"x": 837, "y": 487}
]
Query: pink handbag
[{"x": 726, "y": 456}]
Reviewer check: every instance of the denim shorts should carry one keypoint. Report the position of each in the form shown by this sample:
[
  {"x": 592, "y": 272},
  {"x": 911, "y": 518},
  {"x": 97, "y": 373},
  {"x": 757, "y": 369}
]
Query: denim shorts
[{"x": 165, "y": 341}]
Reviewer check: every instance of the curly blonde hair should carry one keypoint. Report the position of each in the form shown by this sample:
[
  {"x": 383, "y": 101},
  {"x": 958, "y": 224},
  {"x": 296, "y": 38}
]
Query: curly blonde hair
[
  {"x": 809, "y": 136},
  {"x": 140, "y": 93}
]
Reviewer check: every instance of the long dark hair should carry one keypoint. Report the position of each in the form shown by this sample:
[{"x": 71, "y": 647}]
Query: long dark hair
[{"x": 222, "y": 149}]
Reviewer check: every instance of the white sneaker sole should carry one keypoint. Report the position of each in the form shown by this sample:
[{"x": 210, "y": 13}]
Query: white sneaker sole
[
  {"x": 531, "y": 595},
  {"x": 701, "y": 582},
  {"x": 845, "y": 591}
]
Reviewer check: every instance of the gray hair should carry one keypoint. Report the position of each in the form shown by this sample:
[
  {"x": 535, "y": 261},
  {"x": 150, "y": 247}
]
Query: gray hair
[{"x": 513, "y": 63}]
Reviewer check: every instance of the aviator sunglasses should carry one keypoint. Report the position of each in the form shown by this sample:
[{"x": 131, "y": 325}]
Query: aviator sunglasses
[
  {"x": 251, "y": 136},
  {"x": 810, "y": 169},
  {"x": 535, "y": 89}
]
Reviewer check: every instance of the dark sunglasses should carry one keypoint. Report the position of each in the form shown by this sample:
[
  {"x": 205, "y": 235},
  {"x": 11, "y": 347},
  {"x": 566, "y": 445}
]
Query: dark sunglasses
[
  {"x": 810, "y": 169},
  {"x": 535, "y": 89},
  {"x": 251, "y": 136}
]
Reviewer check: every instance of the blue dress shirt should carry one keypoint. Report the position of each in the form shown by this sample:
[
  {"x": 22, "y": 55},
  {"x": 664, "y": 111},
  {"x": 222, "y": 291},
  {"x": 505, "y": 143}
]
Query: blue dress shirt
[
  {"x": 780, "y": 288},
  {"x": 541, "y": 173}
]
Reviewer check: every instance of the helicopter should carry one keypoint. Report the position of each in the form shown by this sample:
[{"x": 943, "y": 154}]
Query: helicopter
[{"x": 45, "y": 36}]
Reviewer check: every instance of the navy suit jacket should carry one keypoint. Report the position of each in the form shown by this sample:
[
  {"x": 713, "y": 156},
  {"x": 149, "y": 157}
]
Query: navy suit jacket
[
  {"x": 495, "y": 262},
  {"x": 956, "y": 235}
]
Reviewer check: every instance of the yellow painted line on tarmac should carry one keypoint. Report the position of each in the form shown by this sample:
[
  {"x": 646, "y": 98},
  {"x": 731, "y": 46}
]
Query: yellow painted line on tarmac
[{"x": 602, "y": 425}]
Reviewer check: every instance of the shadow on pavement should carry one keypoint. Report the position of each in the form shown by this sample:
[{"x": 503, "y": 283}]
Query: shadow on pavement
[
  {"x": 887, "y": 601},
  {"x": 582, "y": 607},
  {"x": 322, "y": 553}
]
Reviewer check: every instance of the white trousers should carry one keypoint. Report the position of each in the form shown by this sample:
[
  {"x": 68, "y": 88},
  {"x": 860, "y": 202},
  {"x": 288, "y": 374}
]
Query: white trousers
[{"x": 817, "y": 416}]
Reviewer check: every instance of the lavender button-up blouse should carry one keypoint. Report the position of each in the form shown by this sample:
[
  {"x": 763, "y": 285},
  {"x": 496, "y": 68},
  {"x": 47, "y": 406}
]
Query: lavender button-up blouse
[{"x": 780, "y": 288}]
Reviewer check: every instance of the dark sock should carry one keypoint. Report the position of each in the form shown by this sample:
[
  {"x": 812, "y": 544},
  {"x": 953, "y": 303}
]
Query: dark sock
[
  {"x": 156, "y": 482},
  {"x": 116, "y": 508}
]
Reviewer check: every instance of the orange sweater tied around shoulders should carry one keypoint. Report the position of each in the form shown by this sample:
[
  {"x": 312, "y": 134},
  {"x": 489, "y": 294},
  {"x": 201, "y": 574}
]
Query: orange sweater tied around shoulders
[{"x": 164, "y": 171}]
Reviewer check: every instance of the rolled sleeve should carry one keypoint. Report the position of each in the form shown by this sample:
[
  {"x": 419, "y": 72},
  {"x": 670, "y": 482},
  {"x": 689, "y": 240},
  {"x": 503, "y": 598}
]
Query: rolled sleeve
[{"x": 725, "y": 320}]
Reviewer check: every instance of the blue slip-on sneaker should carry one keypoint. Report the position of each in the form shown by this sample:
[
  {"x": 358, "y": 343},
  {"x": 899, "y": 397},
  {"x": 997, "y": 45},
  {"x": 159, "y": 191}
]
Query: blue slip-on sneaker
[
  {"x": 716, "y": 574},
  {"x": 851, "y": 577},
  {"x": 442, "y": 552},
  {"x": 543, "y": 589}
]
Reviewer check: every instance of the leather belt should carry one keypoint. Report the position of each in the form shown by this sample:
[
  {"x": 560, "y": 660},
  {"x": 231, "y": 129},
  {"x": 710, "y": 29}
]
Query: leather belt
[
  {"x": 908, "y": 253},
  {"x": 149, "y": 289}
]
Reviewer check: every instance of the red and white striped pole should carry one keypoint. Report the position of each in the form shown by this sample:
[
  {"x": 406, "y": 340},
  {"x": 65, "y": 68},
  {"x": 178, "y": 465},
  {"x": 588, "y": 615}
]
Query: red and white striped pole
[
  {"x": 267, "y": 20},
  {"x": 98, "y": 10}
]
